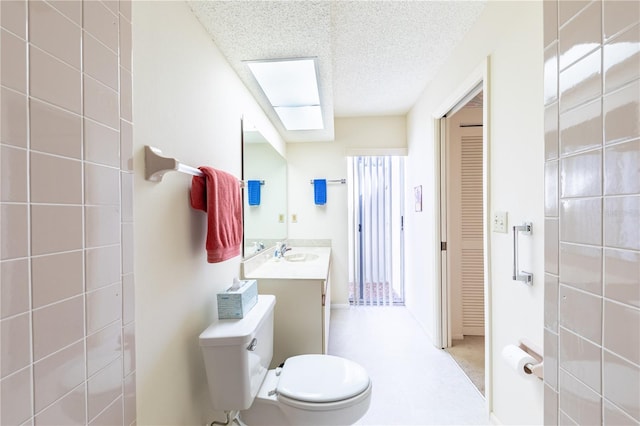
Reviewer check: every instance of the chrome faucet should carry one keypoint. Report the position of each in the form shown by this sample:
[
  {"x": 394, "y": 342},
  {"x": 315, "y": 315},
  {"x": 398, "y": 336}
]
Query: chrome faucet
[{"x": 281, "y": 250}]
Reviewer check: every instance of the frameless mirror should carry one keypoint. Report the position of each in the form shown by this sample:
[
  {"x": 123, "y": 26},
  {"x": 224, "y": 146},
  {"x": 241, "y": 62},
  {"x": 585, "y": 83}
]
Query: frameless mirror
[{"x": 263, "y": 170}]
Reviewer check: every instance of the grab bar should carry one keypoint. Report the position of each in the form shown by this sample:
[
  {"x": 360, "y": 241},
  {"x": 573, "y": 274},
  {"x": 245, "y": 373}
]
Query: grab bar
[{"x": 526, "y": 277}]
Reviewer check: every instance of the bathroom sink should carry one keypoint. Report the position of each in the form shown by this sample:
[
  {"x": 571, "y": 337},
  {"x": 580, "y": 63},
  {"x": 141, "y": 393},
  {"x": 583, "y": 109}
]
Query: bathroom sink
[{"x": 300, "y": 257}]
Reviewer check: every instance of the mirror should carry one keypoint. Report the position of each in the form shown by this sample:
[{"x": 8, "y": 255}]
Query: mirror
[{"x": 264, "y": 222}]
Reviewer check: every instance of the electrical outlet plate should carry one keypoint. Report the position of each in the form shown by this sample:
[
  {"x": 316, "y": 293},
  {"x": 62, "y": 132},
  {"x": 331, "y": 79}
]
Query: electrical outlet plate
[
  {"x": 294, "y": 218},
  {"x": 281, "y": 218},
  {"x": 499, "y": 222}
]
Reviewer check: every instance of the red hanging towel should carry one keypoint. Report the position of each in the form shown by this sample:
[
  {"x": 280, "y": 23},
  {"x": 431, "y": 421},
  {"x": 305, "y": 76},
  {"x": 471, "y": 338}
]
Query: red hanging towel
[{"x": 218, "y": 194}]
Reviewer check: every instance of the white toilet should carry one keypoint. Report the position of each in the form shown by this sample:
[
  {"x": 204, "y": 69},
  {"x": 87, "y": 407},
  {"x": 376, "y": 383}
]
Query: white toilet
[{"x": 307, "y": 390}]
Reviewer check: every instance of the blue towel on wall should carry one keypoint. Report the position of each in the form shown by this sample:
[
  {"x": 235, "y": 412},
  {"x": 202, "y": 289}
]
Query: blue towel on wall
[
  {"x": 320, "y": 191},
  {"x": 253, "y": 187}
]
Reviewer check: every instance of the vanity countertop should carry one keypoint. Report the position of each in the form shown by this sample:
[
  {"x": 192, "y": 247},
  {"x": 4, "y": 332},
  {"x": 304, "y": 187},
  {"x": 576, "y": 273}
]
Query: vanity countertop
[{"x": 269, "y": 267}]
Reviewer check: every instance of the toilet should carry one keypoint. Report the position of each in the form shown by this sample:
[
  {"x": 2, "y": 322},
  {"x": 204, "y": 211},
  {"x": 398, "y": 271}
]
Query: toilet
[{"x": 306, "y": 390}]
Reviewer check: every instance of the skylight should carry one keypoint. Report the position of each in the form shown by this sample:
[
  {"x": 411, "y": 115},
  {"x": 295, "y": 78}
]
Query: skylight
[{"x": 291, "y": 86}]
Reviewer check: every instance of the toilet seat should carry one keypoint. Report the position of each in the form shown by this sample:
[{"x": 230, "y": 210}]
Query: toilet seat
[
  {"x": 326, "y": 380},
  {"x": 321, "y": 379}
]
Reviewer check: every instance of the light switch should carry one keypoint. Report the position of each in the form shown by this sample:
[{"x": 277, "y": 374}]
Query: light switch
[
  {"x": 499, "y": 222},
  {"x": 294, "y": 218},
  {"x": 280, "y": 218}
]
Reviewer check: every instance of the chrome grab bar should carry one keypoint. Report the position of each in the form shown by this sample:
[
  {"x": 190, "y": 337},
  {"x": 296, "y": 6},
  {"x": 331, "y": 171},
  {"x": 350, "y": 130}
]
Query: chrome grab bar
[{"x": 526, "y": 277}]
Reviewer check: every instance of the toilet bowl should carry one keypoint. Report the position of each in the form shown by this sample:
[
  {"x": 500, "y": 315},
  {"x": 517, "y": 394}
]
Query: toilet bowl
[
  {"x": 307, "y": 390},
  {"x": 311, "y": 390}
]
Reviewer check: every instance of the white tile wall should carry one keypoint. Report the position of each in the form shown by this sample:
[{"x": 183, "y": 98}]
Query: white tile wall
[
  {"x": 67, "y": 330},
  {"x": 592, "y": 355}
]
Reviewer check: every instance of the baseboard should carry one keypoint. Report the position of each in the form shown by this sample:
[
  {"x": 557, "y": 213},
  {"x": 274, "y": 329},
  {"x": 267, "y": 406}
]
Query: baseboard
[
  {"x": 493, "y": 419},
  {"x": 457, "y": 337},
  {"x": 340, "y": 306}
]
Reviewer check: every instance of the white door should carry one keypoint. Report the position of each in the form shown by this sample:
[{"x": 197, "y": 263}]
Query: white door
[{"x": 464, "y": 223}]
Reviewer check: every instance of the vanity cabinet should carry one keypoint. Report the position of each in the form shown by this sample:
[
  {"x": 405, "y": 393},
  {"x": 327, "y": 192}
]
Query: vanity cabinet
[
  {"x": 303, "y": 301},
  {"x": 301, "y": 316}
]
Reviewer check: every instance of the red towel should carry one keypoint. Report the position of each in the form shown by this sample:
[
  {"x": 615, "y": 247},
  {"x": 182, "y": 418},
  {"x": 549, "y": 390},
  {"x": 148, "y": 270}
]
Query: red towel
[{"x": 218, "y": 194}]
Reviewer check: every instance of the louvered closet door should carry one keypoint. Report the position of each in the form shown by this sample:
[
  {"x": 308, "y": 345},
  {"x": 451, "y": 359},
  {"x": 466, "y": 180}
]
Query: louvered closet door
[{"x": 472, "y": 270}]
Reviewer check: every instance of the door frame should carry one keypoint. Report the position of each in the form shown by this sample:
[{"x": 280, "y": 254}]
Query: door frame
[{"x": 480, "y": 75}]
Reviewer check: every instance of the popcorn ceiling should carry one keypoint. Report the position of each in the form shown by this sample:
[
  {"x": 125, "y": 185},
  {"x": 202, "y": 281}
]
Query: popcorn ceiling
[{"x": 374, "y": 57}]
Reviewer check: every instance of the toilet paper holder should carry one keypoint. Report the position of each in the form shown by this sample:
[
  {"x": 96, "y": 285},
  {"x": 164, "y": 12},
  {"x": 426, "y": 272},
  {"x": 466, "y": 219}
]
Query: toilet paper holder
[{"x": 535, "y": 352}]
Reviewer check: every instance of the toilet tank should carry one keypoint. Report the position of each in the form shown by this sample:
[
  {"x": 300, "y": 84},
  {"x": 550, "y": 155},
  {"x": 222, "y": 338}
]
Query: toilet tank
[{"x": 237, "y": 353}]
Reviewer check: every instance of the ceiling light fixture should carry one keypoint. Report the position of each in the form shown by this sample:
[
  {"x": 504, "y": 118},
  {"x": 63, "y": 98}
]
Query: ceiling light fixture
[{"x": 291, "y": 86}]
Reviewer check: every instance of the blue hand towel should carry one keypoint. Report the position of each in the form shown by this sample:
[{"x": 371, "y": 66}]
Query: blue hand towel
[
  {"x": 253, "y": 187},
  {"x": 320, "y": 191}
]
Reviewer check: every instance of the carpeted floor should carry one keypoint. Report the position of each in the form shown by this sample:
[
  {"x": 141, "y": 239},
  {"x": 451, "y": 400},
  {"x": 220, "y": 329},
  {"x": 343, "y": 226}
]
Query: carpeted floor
[{"x": 469, "y": 355}]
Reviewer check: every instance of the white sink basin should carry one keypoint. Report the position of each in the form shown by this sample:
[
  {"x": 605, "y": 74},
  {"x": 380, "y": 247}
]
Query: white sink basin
[
  {"x": 300, "y": 257},
  {"x": 304, "y": 263}
]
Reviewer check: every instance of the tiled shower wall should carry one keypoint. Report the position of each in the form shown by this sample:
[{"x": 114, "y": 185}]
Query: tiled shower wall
[
  {"x": 66, "y": 256},
  {"x": 592, "y": 209}
]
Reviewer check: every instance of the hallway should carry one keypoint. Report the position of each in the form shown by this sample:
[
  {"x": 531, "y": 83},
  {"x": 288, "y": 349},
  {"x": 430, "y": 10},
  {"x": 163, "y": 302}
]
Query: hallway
[{"x": 414, "y": 383}]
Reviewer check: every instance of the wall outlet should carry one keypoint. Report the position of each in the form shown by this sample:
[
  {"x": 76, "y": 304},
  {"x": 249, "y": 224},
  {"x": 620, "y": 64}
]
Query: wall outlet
[
  {"x": 294, "y": 218},
  {"x": 499, "y": 222}
]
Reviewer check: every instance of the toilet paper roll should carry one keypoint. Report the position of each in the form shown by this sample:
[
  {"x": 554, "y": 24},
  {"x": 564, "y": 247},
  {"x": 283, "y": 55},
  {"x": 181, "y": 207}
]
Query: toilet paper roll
[{"x": 517, "y": 358}]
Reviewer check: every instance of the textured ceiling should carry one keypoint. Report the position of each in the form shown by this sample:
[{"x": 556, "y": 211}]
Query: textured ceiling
[{"x": 374, "y": 57}]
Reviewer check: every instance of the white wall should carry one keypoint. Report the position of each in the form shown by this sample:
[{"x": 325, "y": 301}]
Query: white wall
[
  {"x": 308, "y": 161},
  {"x": 188, "y": 102},
  {"x": 511, "y": 34},
  {"x": 365, "y": 135}
]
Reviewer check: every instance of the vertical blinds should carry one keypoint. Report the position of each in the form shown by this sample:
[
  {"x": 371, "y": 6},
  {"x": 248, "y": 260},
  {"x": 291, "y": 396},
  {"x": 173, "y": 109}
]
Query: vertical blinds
[{"x": 372, "y": 249}]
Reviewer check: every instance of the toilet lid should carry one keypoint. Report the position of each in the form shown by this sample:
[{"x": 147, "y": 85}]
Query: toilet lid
[{"x": 321, "y": 378}]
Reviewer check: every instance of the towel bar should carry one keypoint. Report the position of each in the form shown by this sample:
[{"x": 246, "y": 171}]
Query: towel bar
[
  {"x": 341, "y": 181},
  {"x": 156, "y": 166}
]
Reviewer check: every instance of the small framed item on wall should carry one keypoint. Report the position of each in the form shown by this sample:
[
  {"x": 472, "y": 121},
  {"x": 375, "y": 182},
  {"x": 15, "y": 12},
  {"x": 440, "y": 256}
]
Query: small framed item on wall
[{"x": 417, "y": 191}]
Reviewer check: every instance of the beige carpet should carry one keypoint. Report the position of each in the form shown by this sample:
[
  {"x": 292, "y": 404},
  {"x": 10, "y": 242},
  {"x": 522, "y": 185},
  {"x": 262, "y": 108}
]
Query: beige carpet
[{"x": 469, "y": 354}]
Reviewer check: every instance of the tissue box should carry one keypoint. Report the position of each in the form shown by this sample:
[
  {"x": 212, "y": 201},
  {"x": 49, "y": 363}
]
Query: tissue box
[{"x": 233, "y": 304}]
